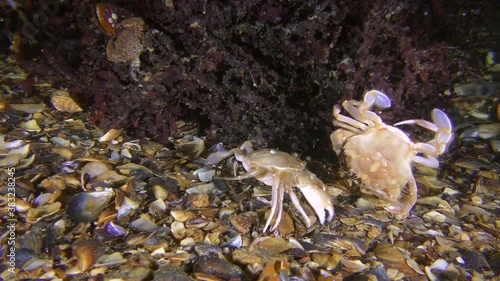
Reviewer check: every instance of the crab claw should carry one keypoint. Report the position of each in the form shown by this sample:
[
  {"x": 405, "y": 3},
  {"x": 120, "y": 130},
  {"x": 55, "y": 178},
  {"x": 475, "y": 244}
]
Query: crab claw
[
  {"x": 441, "y": 125},
  {"x": 313, "y": 190},
  {"x": 217, "y": 157}
]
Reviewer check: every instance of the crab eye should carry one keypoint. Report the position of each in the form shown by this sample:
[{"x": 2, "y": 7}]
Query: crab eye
[{"x": 109, "y": 17}]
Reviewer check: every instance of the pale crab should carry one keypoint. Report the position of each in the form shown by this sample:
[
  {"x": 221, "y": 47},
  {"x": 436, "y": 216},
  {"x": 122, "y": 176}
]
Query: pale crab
[
  {"x": 282, "y": 171},
  {"x": 380, "y": 155}
]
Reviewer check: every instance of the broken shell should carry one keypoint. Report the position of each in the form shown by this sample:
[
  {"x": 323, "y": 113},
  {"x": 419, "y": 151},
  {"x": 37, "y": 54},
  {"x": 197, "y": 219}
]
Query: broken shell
[
  {"x": 37, "y": 214},
  {"x": 127, "y": 206},
  {"x": 111, "y": 230},
  {"x": 200, "y": 200},
  {"x": 144, "y": 224},
  {"x": 160, "y": 192},
  {"x": 286, "y": 225},
  {"x": 62, "y": 101},
  {"x": 205, "y": 174},
  {"x": 328, "y": 240},
  {"x": 205, "y": 249},
  {"x": 354, "y": 265},
  {"x": 108, "y": 179},
  {"x": 191, "y": 145},
  {"x": 438, "y": 265},
  {"x": 87, "y": 251},
  {"x": 277, "y": 270},
  {"x": 110, "y": 135},
  {"x": 45, "y": 198},
  {"x": 158, "y": 208},
  {"x": 24, "y": 188},
  {"x": 92, "y": 170},
  {"x": 6, "y": 146},
  {"x": 24, "y": 163},
  {"x": 392, "y": 257},
  {"x": 87, "y": 206},
  {"x": 132, "y": 145},
  {"x": 60, "y": 141},
  {"x": 22, "y": 150},
  {"x": 326, "y": 261},
  {"x": 274, "y": 245},
  {"x": 216, "y": 266},
  {"x": 115, "y": 258},
  {"x": 235, "y": 242},
  {"x": 241, "y": 223},
  {"x": 483, "y": 131},
  {"x": 201, "y": 189},
  {"x": 131, "y": 167},
  {"x": 10, "y": 160},
  {"x": 187, "y": 242},
  {"x": 414, "y": 265},
  {"x": 182, "y": 215},
  {"x": 178, "y": 230},
  {"x": 16, "y": 157},
  {"x": 65, "y": 152},
  {"x": 31, "y": 126},
  {"x": 197, "y": 223},
  {"x": 28, "y": 108}
]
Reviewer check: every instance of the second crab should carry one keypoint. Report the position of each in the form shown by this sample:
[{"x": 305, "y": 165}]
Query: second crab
[{"x": 282, "y": 171}]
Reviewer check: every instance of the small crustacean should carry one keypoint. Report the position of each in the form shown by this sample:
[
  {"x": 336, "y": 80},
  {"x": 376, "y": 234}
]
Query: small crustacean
[
  {"x": 127, "y": 44},
  {"x": 126, "y": 31},
  {"x": 282, "y": 171},
  {"x": 382, "y": 155}
]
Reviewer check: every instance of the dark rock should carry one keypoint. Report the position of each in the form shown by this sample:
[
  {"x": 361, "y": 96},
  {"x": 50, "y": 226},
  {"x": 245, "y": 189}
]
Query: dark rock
[
  {"x": 170, "y": 273},
  {"x": 213, "y": 265}
]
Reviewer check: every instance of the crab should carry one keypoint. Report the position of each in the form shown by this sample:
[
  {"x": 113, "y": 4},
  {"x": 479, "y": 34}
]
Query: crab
[
  {"x": 127, "y": 44},
  {"x": 382, "y": 156},
  {"x": 282, "y": 171}
]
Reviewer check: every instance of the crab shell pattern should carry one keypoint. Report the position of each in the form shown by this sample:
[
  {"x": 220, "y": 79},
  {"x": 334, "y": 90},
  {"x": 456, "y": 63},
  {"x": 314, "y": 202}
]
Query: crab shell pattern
[{"x": 380, "y": 155}]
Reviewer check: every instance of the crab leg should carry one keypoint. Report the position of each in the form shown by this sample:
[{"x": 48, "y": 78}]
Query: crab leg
[
  {"x": 429, "y": 151},
  {"x": 274, "y": 203},
  {"x": 404, "y": 208},
  {"x": 281, "y": 195},
  {"x": 346, "y": 126},
  {"x": 349, "y": 122},
  {"x": 428, "y": 161},
  {"x": 243, "y": 176},
  {"x": 217, "y": 157},
  {"x": 297, "y": 205}
]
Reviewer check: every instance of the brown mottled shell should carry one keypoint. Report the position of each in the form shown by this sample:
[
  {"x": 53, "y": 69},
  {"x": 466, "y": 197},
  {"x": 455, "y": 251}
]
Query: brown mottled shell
[
  {"x": 62, "y": 101},
  {"x": 126, "y": 44}
]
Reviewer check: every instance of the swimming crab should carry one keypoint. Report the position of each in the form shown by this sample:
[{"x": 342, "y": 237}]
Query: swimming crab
[
  {"x": 380, "y": 155},
  {"x": 282, "y": 171}
]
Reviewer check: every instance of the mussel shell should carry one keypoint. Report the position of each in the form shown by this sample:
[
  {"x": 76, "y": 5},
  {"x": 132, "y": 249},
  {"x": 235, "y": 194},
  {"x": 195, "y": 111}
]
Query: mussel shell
[
  {"x": 87, "y": 251},
  {"x": 87, "y": 206},
  {"x": 216, "y": 266},
  {"x": 235, "y": 242},
  {"x": 111, "y": 230},
  {"x": 144, "y": 224},
  {"x": 205, "y": 249},
  {"x": 23, "y": 255}
]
